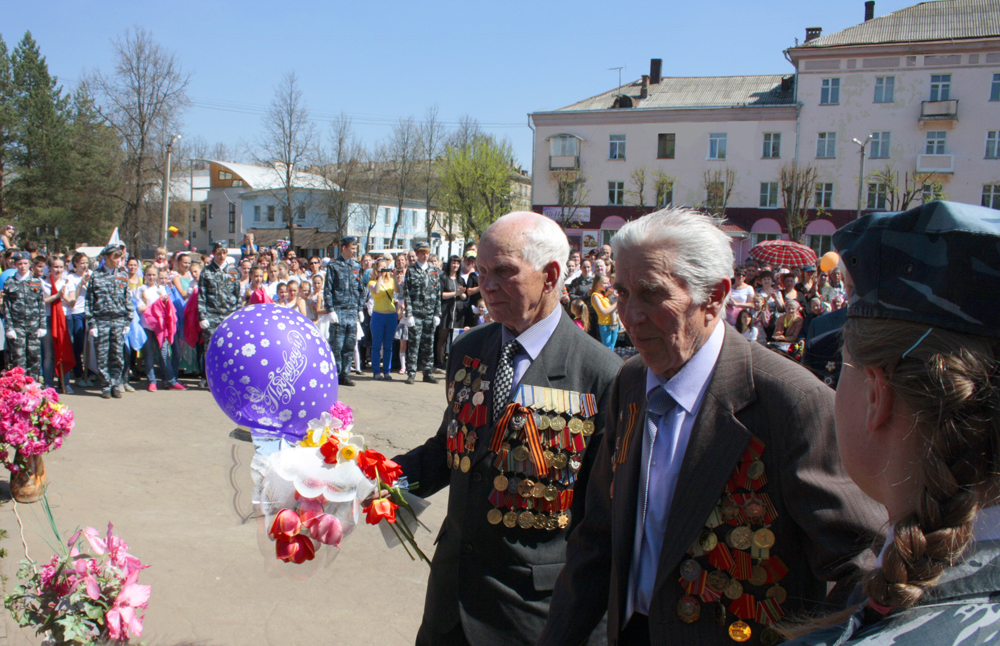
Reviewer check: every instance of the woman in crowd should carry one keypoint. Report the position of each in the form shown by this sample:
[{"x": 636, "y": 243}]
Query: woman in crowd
[
  {"x": 449, "y": 300},
  {"x": 601, "y": 302},
  {"x": 383, "y": 289},
  {"x": 55, "y": 291},
  {"x": 789, "y": 325},
  {"x": 918, "y": 425},
  {"x": 133, "y": 270},
  {"x": 75, "y": 308},
  {"x": 745, "y": 325},
  {"x": 399, "y": 276},
  {"x": 741, "y": 296}
]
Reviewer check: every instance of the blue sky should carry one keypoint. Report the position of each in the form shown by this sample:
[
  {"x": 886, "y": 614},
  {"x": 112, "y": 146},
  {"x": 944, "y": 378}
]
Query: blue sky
[{"x": 378, "y": 61}]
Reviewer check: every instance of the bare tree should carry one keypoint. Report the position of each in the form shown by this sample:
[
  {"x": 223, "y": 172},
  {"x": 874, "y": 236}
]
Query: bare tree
[
  {"x": 287, "y": 144},
  {"x": 916, "y": 185},
  {"x": 431, "y": 139},
  {"x": 142, "y": 99},
  {"x": 663, "y": 186},
  {"x": 404, "y": 151},
  {"x": 571, "y": 193},
  {"x": 718, "y": 184},
  {"x": 465, "y": 134},
  {"x": 341, "y": 169},
  {"x": 373, "y": 185},
  {"x": 638, "y": 177},
  {"x": 797, "y": 185}
]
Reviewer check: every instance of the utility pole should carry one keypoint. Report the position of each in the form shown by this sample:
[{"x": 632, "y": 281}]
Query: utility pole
[
  {"x": 166, "y": 192},
  {"x": 861, "y": 173}
]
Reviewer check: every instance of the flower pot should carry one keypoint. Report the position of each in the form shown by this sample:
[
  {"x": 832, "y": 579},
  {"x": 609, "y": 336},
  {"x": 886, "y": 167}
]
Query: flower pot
[{"x": 28, "y": 484}]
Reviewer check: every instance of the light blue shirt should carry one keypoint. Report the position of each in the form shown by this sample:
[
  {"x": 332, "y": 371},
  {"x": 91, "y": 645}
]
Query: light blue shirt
[
  {"x": 662, "y": 455},
  {"x": 532, "y": 340}
]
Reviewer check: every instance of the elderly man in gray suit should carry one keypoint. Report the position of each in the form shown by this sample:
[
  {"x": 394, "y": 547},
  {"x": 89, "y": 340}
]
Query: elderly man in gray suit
[
  {"x": 717, "y": 504},
  {"x": 526, "y": 401}
]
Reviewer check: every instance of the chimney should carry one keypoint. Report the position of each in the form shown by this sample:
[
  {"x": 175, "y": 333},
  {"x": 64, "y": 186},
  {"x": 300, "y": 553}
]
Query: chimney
[
  {"x": 654, "y": 70},
  {"x": 644, "y": 90},
  {"x": 869, "y": 10},
  {"x": 812, "y": 33}
]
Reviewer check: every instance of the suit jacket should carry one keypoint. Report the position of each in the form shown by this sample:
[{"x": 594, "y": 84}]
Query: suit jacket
[
  {"x": 824, "y": 526},
  {"x": 495, "y": 580}
]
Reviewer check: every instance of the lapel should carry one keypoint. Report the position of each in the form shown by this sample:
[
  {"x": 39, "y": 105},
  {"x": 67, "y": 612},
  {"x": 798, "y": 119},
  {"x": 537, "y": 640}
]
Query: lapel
[{"x": 717, "y": 441}]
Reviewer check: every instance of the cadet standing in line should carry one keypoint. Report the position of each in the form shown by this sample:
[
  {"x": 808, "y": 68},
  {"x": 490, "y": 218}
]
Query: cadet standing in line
[
  {"x": 422, "y": 303},
  {"x": 24, "y": 303},
  {"x": 344, "y": 295},
  {"x": 218, "y": 296},
  {"x": 109, "y": 310}
]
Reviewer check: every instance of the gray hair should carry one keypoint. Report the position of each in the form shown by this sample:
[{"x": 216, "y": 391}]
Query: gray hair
[
  {"x": 698, "y": 252},
  {"x": 544, "y": 243}
]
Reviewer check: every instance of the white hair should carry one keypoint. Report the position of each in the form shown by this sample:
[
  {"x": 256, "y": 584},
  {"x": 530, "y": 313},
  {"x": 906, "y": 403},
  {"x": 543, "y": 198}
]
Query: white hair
[
  {"x": 697, "y": 251},
  {"x": 544, "y": 243}
]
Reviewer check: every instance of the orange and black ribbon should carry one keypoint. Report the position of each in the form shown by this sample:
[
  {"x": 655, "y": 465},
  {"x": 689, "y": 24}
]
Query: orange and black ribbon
[
  {"x": 534, "y": 442},
  {"x": 500, "y": 430},
  {"x": 626, "y": 439}
]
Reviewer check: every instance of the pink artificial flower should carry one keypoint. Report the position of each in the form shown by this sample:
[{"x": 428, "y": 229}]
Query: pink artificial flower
[
  {"x": 121, "y": 620},
  {"x": 97, "y": 545},
  {"x": 326, "y": 529},
  {"x": 83, "y": 572},
  {"x": 343, "y": 412}
]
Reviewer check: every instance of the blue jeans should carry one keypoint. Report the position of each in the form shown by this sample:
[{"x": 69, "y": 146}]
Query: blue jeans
[
  {"x": 77, "y": 325},
  {"x": 383, "y": 329},
  {"x": 609, "y": 335},
  {"x": 153, "y": 354}
]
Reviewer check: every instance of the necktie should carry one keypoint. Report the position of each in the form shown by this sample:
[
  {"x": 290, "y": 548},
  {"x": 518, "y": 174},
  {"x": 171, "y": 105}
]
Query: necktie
[{"x": 505, "y": 377}]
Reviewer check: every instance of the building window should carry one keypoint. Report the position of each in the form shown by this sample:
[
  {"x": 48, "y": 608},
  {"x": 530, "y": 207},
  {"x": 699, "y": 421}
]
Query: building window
[
  {"x": 300, "y": 213},
  {"x": 826, "y": 145},
  {"x": 256, "y": 213},
  {"x": 616, "y": 193},
  {"x": 665, "y": 195},
  {"x": 935, "y": 142},
  {"x": 270, "y": 213},
  {"x": 884, "y": 89},
  {"x": 769, "y": 195},
  {"x": 772, "y": 145},
  {"x": 757, "y": 238},
  {"x": 717, "y": 145},
  {"x": 232, "y": 221},
  {"x": 564, "y": 146},
  {"x": 209, "y": 211},
  {"x": 413, "y": 213},
  {"x": 877, "y": 195},
  {"x": 880, "y": 145},
  {"x": 386, "y": 220},
  {"x": 617, "y": 150},
  {"x": 224, "y": 176},
  {"x": 237, "y": 182},
  {"x": 995, "y": 88},
  {"x": 991, "y": 195},
  {"x": 992, "y": 151},
  {"x": 819, "y": 243},
  {"x": 940, "y": 87},
  {"x": 665, "y": 143},
  {"x": 829, "y": 93},
  {"x": 824, "y": 195},
  {"x": 929, "y": 192}
]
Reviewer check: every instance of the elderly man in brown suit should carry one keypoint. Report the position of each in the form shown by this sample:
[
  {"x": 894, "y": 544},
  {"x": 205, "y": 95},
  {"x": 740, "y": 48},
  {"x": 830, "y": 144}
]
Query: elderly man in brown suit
[{"x": 718, "y": 503}]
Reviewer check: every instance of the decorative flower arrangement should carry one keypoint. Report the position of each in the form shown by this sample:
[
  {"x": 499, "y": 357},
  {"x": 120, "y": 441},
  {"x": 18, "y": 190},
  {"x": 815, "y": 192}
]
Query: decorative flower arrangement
[
  {"x": 32, "y": 421},
  {"x": 796, "y": 349},
  {"x": 312, "y": 493},
  {"x": 82, "y": 598}
]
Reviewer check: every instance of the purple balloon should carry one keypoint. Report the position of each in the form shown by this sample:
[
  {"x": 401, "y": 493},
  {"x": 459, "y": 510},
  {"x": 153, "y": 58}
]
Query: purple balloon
[{"x": 269, "y": 368}]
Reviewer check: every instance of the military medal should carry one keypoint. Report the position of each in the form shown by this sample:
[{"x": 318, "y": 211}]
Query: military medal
[
  {"x": 755, "y": 470},
  {"x": 543, "y": 423},
  {"x": 734, "y": 590},
  {"x": 477, "y": 399},
  {"x": 753, "y": 509},
  {"x": 575, "y": 462},
  {"x": 524, "y": 488},
  {"x": 758, "y": 576},
  {"x": 465, "y": 464},
  {"x": 521, "y": 453},
  {"x": 551, "y": 493},
  {"x": 777, "y": 593},
  {"x": 541, "y": 520},
  {"x": 588, "y": 428},
  {"x": 517, "y": 422},
  {"x": 549, "y": 456},
  {"x": 688, "y": 609},
  {"x": 495, "y": 516},
  {"x": 538, "y": 490},
  {"x": 500, "y": 483},
  {"x": 739, "y": 538},
  {"x": 739, "y": 631},
  {"x": 563, "y": 520},
  {"x": 510, "y": 519},
  {"x": 451, "y": 391},
  {"x": 690, "y": 570},
  {"x": 576, "y": 426},
  {"x": 763, "y": 538},
  {"x": 526, "y": 520},
  {"x": 707, "y": 541},
  {"x": 455, "y": 460},
  {"x": 477, "y": 384},
  {"x": 460, "y": 375},
  {"x": 729, "y": 509},
  {"x": 557, "y": 423},
  {"x": 718, "y": 581},
  {"x": 560, "y": 460}
]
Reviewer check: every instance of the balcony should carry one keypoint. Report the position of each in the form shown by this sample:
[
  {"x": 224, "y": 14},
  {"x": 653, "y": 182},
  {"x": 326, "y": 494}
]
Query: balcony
[
  {"x": 564, "y": 162},
  {"x": 935, "y": 163},
  {"x": 939, "y": 110}
]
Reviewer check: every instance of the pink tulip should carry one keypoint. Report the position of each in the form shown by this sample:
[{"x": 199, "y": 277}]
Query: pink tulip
[
  {"x": 309, "y": 509},
  {"x": 326, "y": 529}
]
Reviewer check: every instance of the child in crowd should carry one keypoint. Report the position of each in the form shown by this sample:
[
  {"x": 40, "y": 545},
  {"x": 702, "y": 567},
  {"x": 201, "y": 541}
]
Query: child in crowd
[
  {"x": 160, "y": 322},
  {"x": 581, "y": 316}
]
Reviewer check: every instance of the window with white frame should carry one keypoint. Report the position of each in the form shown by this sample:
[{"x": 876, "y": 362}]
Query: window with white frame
[
  {"x": 880, "y": 145},
  {"x": 824, "y": 195},
  {"x": 256, "y": 213},
  {"x": 617, "y": 147},
  {"x": 940, "y": 87},
  {"x": 616, "y": 193},
  {"x": 224, "y": 176},
  {"x": 820, "y": 243},
  {"x": 930, "y": 192},
  {"x": 564, "y": 146},
  {"x": 757, "y": 238},
  {"x": 884, "y": 89},
  {"x": 829, "y": 93},
  {"x": 992, "y": 150},
  {"x": 768, "y": 195},
  {"x": 991, "y": 195},
  {"x": 877, "y": 192},
  {"x": 772, "y": 145},
  {"x": 717, "y": 145},
  {"x": 995, "y": 88},
  {"x": 935, "y": 142},
  {"x": 826, "y": 145}
]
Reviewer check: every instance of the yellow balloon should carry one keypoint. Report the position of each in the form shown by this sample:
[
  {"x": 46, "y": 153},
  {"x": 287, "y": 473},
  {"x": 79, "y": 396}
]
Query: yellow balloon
[{"x": 829, "y": 260}]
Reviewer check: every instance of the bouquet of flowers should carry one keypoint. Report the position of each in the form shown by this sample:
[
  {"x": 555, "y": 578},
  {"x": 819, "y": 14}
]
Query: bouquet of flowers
[
  {"x": 79, "y": 597},
  {"x": 313, "y": 493},
  {"x": 32, "y": 421}
]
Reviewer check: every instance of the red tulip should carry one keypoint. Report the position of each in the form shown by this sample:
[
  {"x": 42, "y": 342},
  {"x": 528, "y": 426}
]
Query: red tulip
[
  {"x": 373, "y": 463},
  {"x": 329, "y": 450},
  {"x": 325, "y": 529},
  {"x": 379, "y": 509},
  {"x": 309, "y": 509},
  {"x": 298, "y": 549},
  {"x": 286, "y": 525}
]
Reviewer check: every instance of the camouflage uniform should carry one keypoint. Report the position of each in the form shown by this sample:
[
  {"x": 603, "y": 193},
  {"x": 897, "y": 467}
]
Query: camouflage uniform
[
  {"x": 422, "y": 300},
  {"x": 109, "y": 309},
  {"x": 24, "y": 302},
  {"x": 218, "y": 295},
  {"x": 343, "y": 294}
]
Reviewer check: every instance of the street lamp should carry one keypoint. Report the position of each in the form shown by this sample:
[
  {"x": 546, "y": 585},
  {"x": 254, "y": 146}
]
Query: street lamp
[
  {"x": 166, "y": 191},
  {"x": 861, "y": 175}
]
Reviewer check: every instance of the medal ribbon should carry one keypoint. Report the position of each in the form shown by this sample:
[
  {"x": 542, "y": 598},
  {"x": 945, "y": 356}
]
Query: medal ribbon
[
  {"x": 501, "y": 428},
  {"x": 745, "y": 607},
  {"x": 769, "y": 612},
  {"x": 534, "y": 442}
]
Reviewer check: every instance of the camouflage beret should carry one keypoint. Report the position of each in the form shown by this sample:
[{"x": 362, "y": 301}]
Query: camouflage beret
[
  {"x": 937, "y": 264},
  {"x": 110, "y": 249},
  {"x": 21, "y": 255}
]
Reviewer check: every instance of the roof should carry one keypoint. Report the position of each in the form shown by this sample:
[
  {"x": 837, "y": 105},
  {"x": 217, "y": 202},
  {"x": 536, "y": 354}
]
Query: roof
[
  {"x": 697, "y": 92},
  {"x": 270, "y": 178},
  {"x": 180, "y": 187},
  {"x": 939, "y": 20}
]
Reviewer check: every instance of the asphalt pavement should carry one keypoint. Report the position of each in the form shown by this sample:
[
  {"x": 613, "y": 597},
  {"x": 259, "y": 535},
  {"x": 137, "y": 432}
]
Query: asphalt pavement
[{"x": 164, "y": 469}]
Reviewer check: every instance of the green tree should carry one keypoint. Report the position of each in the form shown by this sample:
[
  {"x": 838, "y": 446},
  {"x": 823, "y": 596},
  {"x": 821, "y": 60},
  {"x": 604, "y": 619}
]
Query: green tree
[
  {"x": 476, "y": 181},
  {"x": 7, "y": 124}
]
